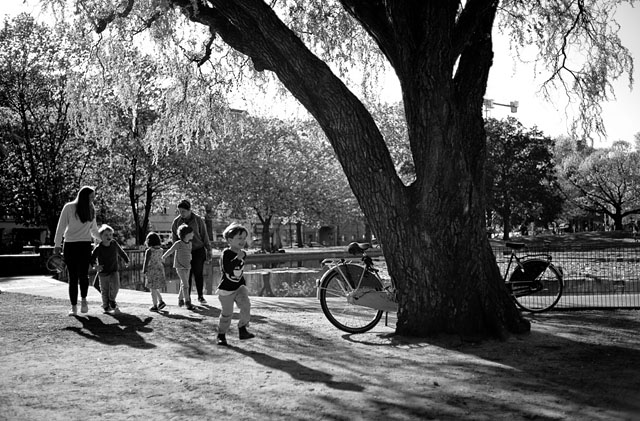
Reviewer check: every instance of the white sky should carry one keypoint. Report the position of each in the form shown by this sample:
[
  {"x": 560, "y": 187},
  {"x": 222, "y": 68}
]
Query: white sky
[
  {"x": 621, "y": 118},
  {"x": 511, "y": 81}
]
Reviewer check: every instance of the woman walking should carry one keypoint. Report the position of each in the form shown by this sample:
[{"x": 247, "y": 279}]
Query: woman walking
[{"x": 77, "y": 224}]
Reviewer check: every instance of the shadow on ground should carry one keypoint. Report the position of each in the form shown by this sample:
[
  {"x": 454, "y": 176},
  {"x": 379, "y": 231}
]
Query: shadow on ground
[
  {"x": 297, "y": 371},
  {"x": 125, "y": 332}
]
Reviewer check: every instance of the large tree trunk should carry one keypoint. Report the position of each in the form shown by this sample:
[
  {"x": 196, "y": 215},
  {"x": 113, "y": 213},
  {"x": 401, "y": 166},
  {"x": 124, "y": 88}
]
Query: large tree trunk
[{"x": 432, "y": 231}]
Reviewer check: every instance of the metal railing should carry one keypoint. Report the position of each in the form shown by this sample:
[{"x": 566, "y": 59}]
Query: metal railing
[{"x": 598, "y": 275}]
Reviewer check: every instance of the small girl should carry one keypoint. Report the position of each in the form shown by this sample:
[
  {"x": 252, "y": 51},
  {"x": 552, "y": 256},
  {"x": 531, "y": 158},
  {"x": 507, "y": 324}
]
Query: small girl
[
  {"x": 182, "y": 263},
  {"x": 154, "y": 270},
  {"x": 232, "y": 288}
]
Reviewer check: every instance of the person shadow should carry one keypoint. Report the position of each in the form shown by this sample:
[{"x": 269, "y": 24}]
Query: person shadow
[
  {"x": 297, "y": 371},
  {"x": 206, "y": 310},
  {"x": 125, "y": 332}
]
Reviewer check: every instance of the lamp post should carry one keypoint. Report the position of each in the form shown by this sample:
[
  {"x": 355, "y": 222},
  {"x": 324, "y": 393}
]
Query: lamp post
[{"x": 490, "y": 103}]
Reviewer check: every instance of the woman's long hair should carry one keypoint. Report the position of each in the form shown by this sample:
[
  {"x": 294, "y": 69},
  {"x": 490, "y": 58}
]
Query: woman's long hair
[{"x": 84, "y": 208}]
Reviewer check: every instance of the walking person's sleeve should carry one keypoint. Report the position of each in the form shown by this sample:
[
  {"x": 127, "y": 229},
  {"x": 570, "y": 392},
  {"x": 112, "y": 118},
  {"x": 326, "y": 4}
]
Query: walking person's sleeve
[
  {"x": 63, "y": 222},
  {"x": 94, "y": 230},
  {"x": 174, "y": 230},
  {"x": 204, "y": 235}
]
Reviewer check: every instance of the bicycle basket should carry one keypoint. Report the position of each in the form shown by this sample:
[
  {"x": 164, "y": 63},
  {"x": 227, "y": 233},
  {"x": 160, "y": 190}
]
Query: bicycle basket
[{"x": 55, "y": 263}]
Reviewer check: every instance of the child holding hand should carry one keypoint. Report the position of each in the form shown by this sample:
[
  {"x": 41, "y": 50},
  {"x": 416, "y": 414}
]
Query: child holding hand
[
  {"x": 106, "y": 256},
  {"x": 232, "y": 288},
  {"x": 153, "y": 270},
  {"x": 181, "y": 250}
]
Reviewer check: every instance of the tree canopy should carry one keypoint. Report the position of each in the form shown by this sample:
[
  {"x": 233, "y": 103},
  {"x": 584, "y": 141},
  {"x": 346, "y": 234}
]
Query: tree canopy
[
  {"x": 521, "y": 179},
  {"x": 40, "y": 153},
  {"x": 605, "y": 182}
]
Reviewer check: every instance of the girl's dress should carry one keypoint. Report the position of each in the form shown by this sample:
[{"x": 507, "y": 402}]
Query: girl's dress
[{"x": 155, "y": 270}]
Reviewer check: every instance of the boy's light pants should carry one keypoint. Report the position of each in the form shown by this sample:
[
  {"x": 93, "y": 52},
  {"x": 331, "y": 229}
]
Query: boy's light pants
[
  {"x": 109, "y": 287},
  {"x": 239, "y": 297}
]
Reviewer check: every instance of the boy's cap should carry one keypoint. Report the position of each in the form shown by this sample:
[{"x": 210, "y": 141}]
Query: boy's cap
[{"x": 184, "y": 205}]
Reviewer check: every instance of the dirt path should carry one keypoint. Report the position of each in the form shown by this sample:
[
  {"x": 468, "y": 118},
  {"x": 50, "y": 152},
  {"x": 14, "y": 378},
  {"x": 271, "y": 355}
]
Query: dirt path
[{"x": 145, "y": 366}]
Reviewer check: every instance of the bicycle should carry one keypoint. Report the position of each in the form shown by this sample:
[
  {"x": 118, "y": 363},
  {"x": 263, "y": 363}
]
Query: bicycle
[
  {"x": 354, "y": 297},
  {"x": 536, "y": 284}
]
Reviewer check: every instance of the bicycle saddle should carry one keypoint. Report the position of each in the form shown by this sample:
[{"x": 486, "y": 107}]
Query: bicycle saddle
[
  {"x": 515, "y": 246},
  {"x": 358, "y": 248}
]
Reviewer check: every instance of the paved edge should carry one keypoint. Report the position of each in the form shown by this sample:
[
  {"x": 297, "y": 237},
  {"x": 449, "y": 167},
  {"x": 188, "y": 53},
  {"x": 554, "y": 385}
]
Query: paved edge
[{"x": 46, "y": 286}]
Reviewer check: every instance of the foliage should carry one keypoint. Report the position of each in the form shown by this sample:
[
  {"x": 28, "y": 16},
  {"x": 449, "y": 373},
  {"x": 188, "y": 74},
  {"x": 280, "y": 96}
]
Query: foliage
[
  {"x": 44, "y": 164},
  {"x": 605, "y": 182},
  {"x": 139, "y": 114},
  {"x": 274, "y": 168},
  {"x": 521, "y": 177}
]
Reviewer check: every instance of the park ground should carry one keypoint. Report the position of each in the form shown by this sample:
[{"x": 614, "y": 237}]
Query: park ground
[{"x": 146, "y": 366}]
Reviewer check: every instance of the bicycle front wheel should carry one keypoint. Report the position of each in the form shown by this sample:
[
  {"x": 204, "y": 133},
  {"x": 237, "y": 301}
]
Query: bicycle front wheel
[
  {"x": 538, "y": 287},
  {"x": 334, "y": 300}
]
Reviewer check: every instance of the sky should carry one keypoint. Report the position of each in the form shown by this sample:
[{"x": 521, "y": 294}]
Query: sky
[{"x": 510, "y": 81}]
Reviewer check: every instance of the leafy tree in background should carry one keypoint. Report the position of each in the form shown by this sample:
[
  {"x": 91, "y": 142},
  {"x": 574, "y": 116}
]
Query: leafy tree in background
[
  {"x": 274, "y": 170},
  {"x": 43, "y": 163},
  {"x": 433, "y": 229},
  {"x": 606, "y": 182},
  {"x": 124, "y": 103},
  {"x": 520, "y": 174}
]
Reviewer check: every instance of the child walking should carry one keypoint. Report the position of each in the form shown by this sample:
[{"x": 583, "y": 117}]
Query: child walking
[
  {"x": 104, "y": 258},
  {"x": 153, "y": 270},
  {"x": 232, "y": 288},
  {"x": 181, "y": 250}
]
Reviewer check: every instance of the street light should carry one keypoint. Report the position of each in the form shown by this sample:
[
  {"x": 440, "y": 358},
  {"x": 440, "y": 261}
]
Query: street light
[{"x": 489, "y": 104}]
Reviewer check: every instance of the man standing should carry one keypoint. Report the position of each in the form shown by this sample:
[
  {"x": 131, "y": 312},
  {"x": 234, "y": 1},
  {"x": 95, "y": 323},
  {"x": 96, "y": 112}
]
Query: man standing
[{"x": 201, "y": 248}]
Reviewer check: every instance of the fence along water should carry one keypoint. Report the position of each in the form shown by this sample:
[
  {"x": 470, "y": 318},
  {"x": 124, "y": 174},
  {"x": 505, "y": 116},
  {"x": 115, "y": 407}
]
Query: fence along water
[
  {"x": 598, "y": 275},
  {"x": 595, "y": 275}
]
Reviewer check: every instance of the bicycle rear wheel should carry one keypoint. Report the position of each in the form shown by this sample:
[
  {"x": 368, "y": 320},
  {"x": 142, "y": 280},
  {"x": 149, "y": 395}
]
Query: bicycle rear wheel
[
  {"x": 538, "y": 288},
  {"x": 334, "y": 300}
]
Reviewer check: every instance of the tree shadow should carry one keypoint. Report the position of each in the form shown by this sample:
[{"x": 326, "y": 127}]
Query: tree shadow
[
  {"x": 298, "y": 371},
  {"x": 560, "y": 355},
  {"x": 577, "y": 369},
  {"x": 576, "y": 357},
  {"x": 125, "y": 332}
]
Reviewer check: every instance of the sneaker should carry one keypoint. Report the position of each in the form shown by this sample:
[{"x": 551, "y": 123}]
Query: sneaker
[
  {"x": 188, "y": 305},
  {"x": 116, "y": 310},
  {"x": 202, "y": 300},
  {"x": 222, "y": 339},
  {"x": 161, "y": 305},
  {"x": 153, "y": 308},
  {"x": 244, "y": 334},
  {"x": 84, "y": 307},
  {"x": 106, "y": 310},
  {"x": 180, "y": 302},
  {"x": 73, "y": 311}
]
